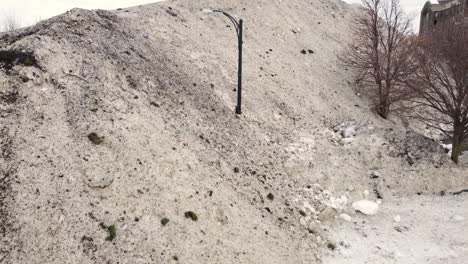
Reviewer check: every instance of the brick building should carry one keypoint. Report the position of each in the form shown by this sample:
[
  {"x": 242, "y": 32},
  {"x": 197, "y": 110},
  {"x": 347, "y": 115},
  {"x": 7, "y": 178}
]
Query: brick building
[{"x": 445, "y": 11}]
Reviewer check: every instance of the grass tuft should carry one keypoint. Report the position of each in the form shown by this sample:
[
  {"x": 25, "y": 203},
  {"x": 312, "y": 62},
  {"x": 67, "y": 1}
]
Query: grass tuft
[
  {"x": 97, "y": 140},
  {"x": 331, "y": 246},
  {"x": 165, "y": 221},
  {"x": 112, "y": 230},
  {"x": 270, "y": 197},
  {"x": 191, "y": 215}
]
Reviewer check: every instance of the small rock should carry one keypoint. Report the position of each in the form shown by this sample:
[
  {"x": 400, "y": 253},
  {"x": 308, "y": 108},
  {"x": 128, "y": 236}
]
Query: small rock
[
  {"x": 397, "y": 219},
  {"x": 345, "y": 217},
  {"x": 366, "y": 207}
]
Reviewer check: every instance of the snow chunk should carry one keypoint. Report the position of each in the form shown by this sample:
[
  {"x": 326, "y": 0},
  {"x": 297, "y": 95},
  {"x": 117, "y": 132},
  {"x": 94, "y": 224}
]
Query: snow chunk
[
  {"x": 349, "y": 132},
  {"x": 345, "y": 217},
  {"x": 366, "y": 207},
  {"x": 346, "y": 129}
]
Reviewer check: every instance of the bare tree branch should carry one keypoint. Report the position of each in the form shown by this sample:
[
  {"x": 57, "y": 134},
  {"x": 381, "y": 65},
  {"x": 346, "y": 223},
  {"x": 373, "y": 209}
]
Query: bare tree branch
[
  {"x": 9, "y": 23},
  {"x": 441, "y": 80},
  {"x": 381, "y": 53}
]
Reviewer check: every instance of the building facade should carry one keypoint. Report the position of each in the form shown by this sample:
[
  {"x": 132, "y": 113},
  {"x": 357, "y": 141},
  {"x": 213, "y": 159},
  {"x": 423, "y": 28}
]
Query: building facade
[{"x": 434, "y": 15}]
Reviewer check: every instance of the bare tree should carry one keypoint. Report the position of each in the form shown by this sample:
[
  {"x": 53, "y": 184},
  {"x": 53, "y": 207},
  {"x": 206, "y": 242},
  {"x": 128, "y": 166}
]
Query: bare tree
[
  {"x": 10, "y": 22},
  {"x": 441, "y": 81},
  {"x": 381, "y": 53}
]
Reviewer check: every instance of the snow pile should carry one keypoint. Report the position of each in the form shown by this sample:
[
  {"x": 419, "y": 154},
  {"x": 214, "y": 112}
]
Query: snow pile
[{"x": 119, "y": 138}]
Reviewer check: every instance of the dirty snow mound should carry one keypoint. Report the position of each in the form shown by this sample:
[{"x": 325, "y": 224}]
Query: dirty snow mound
[{"x": 119, "y": 143}]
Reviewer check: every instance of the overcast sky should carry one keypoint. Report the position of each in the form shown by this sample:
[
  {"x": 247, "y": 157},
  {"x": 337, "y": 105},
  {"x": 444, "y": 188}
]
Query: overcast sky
[
  {"x": 30, "y": 11},
  {"x": 412, "y": 8}
]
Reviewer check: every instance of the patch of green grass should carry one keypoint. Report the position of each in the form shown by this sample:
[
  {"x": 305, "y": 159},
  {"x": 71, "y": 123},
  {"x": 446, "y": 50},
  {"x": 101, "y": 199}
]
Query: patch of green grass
[
  {"x": 97, "y": 140},
  {"x": 191, "y": 215},
  {"x": 331, "y": 246},
  {"x": 236, "y": 170},
  {"x": 28, "y": 61},
  {"x": 270, "y": 197},
  {"x": 165, "y": 221},
  {"x": 112, "y": 233},
  {"x": 112, "y": 230},
  {"x": 302, "y": 213}
]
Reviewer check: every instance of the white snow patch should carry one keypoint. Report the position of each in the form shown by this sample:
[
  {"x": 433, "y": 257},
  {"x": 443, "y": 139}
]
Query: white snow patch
[{"x": 366, "y": 207}]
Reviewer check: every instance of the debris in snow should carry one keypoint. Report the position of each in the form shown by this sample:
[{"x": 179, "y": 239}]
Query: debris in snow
[
  {"x": 401, "y": 229},
  {"x": 349, "y": 132},
  {"x": 377, "y": 192},
  {"x": 447, "y": 148},
  {"x": 375, "y": 175},
  {"x": 460, "y": 192},
  {"x": 346, "y": 129},
  {"x": 366, "y": 207},
  {"x": 338, "y": 203}
]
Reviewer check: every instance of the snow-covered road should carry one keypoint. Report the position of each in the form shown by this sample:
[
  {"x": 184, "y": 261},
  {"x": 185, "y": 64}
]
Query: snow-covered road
[{"x": 431, "y": 230}]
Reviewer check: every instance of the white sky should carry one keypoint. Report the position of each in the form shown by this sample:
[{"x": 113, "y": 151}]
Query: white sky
[
  {"x": 30, "y": 11},
  {"x": 412, "y": 8}
]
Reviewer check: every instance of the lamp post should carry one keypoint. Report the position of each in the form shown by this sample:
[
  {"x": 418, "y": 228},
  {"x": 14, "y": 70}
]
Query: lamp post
[{"x": 239, "y": 26}]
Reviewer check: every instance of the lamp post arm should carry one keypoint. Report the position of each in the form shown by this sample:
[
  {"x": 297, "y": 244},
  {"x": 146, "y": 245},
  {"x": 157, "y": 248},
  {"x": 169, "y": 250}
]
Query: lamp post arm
[{"x": 233, "y": 20}]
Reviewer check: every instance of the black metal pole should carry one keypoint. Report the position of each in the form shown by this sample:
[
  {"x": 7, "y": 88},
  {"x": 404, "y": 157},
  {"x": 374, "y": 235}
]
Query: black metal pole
[
  {"x": 239, "y": 27},
  {"x": 239, "y": 80}
]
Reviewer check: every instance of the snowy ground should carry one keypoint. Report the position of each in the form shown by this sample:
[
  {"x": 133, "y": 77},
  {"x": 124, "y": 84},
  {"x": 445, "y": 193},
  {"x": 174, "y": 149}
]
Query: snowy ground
[{"x": 431, "y": 230}]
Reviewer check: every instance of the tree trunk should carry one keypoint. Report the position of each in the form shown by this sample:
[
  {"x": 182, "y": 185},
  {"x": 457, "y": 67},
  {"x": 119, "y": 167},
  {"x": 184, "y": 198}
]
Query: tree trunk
[
  {"x": 457, "y": 141},
  {"x": 383, "y": 108}
]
